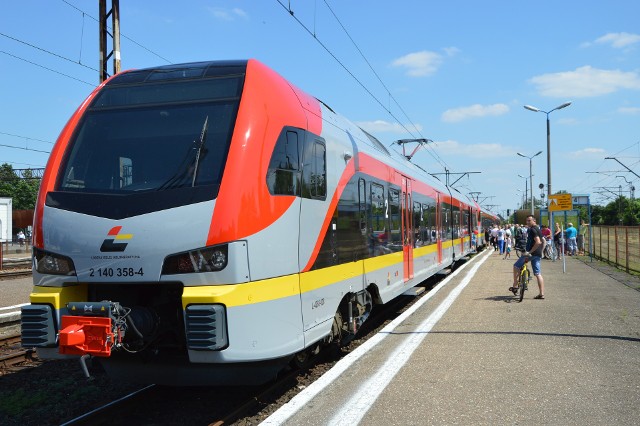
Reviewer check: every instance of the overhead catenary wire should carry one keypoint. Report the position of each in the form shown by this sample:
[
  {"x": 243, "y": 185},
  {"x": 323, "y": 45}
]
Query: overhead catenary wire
[
  {"x": 435, "y": 154},
  {"x": 47, "y": 51},
  {"x": 26, "y": 149},
  {"x": 24, "y": 164},
  {"x": 387, "y": 109},
  {"x": 26, "y": 137},
  {"x": 586, "y": 185},
  {"x": 121, "y": 34},
  {"x": 48, "y": 69}
]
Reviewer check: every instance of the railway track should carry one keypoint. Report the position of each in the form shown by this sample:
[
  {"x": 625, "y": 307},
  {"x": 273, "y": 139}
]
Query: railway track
[
  {"x": 17, "y": 268},
  {"x": 128, "y": 404},
  {"x": 12, "y": 353},
  {"x": 224, "y": 406}
]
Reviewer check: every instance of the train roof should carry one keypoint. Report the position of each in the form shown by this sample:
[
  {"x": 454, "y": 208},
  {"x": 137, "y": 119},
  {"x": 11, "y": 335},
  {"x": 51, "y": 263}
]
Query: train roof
[
  {"x": 366, "y": 143},
  {"x": 192, "y": 70}
]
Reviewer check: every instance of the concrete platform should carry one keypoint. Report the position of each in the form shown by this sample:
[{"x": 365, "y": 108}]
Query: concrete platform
[{"x": 571, "y": 359}]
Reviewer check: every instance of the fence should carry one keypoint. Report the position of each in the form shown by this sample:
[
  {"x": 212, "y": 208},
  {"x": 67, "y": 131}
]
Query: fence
[{"x": 619, "y": 245}]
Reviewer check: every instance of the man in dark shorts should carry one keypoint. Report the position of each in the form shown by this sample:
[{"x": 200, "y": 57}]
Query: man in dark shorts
[{"x": 534, "y": 251}]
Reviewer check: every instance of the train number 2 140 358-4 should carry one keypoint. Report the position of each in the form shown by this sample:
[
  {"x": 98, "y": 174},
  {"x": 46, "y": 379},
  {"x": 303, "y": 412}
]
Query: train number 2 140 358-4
[{"x": 115, "y": 272}]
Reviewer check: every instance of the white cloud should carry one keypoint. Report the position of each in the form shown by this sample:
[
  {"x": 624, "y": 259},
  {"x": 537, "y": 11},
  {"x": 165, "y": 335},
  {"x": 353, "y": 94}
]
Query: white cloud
[
  {"x": 585, "y": 82},
  {"x": 419, "y": 64},
  {"x": 223, "y": 14},
  {"x": 451, "y": 51},
  {"x": 241, "y": 13},
  {"x": 477, "y": 110},
  {"x": 629, "y": 110},
  {"x": 589, "y": 152},
  {"x": 381, "y": 126},
  {"x": 619, "y": 40}
]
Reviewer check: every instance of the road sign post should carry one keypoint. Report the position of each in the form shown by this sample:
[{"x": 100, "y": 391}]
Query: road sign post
[{"x": 559, "y": 203}]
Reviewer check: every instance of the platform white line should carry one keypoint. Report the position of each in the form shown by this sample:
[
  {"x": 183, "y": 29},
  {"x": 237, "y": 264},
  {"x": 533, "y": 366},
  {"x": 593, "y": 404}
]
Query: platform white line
[
  {"x": 300, "y": 400},
  {"x": 357, "y": 407},
  {"x": 4, "y": 308}
]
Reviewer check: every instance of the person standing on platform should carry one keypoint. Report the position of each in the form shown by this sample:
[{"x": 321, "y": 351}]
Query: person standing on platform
[
  {"x": 582, "y": 236},
  {"x": 557, "y": 240},
  {"x": 508, "y": 244},
  {"x": 572, "y": 234},
  {"x": 501, "y": 239}
]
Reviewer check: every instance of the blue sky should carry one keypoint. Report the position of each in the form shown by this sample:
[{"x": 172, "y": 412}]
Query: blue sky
[{"x": 456, "y": 72}]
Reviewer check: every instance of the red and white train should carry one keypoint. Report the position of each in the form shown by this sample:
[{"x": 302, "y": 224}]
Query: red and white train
[{"x": 205, "y": 223}]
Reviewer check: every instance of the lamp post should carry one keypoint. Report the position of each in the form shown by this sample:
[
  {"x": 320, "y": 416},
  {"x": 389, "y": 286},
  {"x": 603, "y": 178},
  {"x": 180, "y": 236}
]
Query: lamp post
[
  {"x": 526, "y": 190},
  {"x": 523, "y": 200},
  {"x": 530, "y": 173},
  {"x": 534, "y": 109}
]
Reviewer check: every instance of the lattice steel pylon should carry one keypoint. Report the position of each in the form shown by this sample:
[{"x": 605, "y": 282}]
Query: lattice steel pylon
[
  {"x": 28, "y": 173},
  {"x": 114, "y": 13}
]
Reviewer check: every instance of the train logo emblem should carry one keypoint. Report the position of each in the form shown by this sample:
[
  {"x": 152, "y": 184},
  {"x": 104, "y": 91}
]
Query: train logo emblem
[{"x": 110, "y": 244}]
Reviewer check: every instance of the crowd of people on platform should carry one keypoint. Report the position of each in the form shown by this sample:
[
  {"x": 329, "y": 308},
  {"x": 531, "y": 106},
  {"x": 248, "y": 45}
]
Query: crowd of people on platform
[
  {"x": 535, "y": 242},
  {"x": 505, "y": 238}
]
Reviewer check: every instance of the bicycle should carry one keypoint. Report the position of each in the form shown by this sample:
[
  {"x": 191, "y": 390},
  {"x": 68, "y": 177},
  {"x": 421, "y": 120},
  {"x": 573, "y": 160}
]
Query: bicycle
[
  {"x": 549, "y": 251},
  {"x": 523, "y": 280}
]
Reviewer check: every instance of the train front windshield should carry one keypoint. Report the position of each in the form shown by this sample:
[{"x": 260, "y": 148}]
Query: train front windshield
[{"x": 153, "y": 137}]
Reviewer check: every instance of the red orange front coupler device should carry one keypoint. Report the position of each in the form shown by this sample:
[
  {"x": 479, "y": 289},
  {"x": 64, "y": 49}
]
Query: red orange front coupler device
[{"x": 88, "y": 330}]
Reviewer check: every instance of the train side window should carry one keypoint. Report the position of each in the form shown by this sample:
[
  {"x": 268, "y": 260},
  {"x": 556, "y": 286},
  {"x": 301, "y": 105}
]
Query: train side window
[
  {"x": 456, "y": 221},
  {"x": 429, "y": 218},
  {"x": 362, "y": 205},
  {"x": 314, "y": 169},
  {"x": 379, "y": 233},
  {"x": 445, "y": 232},
  {"x": 283, "y": 176},
  {"x": 418, "y": 225},
  {"x": 377, "y": 208},
  {"x": 394, "y": 216}
]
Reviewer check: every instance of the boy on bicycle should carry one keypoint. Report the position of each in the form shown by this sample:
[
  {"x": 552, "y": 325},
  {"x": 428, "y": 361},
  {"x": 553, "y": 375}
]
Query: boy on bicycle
[{"x": 533, "y": 253}]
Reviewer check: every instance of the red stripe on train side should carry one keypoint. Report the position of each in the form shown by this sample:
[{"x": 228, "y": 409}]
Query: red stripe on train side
[
  {"x": 244, "y": 205},
  {"x": 375, "y": 168},
  {"x": 369, "y": 166},
  {"x": 348, "y": 173}
]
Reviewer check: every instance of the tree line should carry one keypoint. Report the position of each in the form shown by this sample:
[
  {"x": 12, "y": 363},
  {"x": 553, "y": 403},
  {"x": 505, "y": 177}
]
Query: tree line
[
  {"x": 621, "y": 211},
  {"x": 24, "y": 191}
]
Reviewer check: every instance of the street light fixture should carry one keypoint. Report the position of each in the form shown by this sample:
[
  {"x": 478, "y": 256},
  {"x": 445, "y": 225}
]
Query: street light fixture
[
  {"x": 534, "y": 109},
  {"x": 526, "y": 190},
  {"x": 530, "y": 173}
]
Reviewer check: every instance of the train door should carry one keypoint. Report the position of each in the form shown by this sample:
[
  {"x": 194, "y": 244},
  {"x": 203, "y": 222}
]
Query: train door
[
  {"x": 406, "y": 204},
  {"x": 473, "y": 228},
  {"x": 439, "y": 225}
]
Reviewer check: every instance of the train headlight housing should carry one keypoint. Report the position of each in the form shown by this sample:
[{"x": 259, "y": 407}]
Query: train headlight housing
[
  {"x": 51, "y": 263},
  {"x": 208, "y": 259}
]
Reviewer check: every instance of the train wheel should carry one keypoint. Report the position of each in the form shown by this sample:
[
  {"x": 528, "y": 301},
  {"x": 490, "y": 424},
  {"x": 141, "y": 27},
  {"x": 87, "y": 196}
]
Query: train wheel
[
  {"x": 303, "y": 359},
  {"x": 337, "y": 329}
]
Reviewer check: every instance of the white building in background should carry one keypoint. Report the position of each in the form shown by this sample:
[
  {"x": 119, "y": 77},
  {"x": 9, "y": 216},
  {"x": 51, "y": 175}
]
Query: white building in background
[{"x": 6, "y": 219}]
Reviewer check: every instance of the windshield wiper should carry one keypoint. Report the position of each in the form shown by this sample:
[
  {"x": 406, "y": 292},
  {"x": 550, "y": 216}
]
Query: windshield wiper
[{"x": 203, "y": 140}]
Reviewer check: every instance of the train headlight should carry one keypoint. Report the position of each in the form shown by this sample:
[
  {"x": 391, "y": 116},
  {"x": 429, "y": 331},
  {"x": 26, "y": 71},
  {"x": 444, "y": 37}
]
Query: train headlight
[
  {"x": 51, "y": 263},
  {"x": 208, "y": 259},
  {"x": 218, "y": 259}
]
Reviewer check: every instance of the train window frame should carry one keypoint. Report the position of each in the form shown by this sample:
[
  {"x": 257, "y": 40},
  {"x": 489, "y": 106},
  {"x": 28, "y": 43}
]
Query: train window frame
[
  {"x": 418, "y": 224},
  {"x": 362, "y": 204},
  {"x": 314, "y": 164},
  {"x": 378, "y": 202},
  {"x": 394, "y": 208},
  {"x": 284, "y": 175}
]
